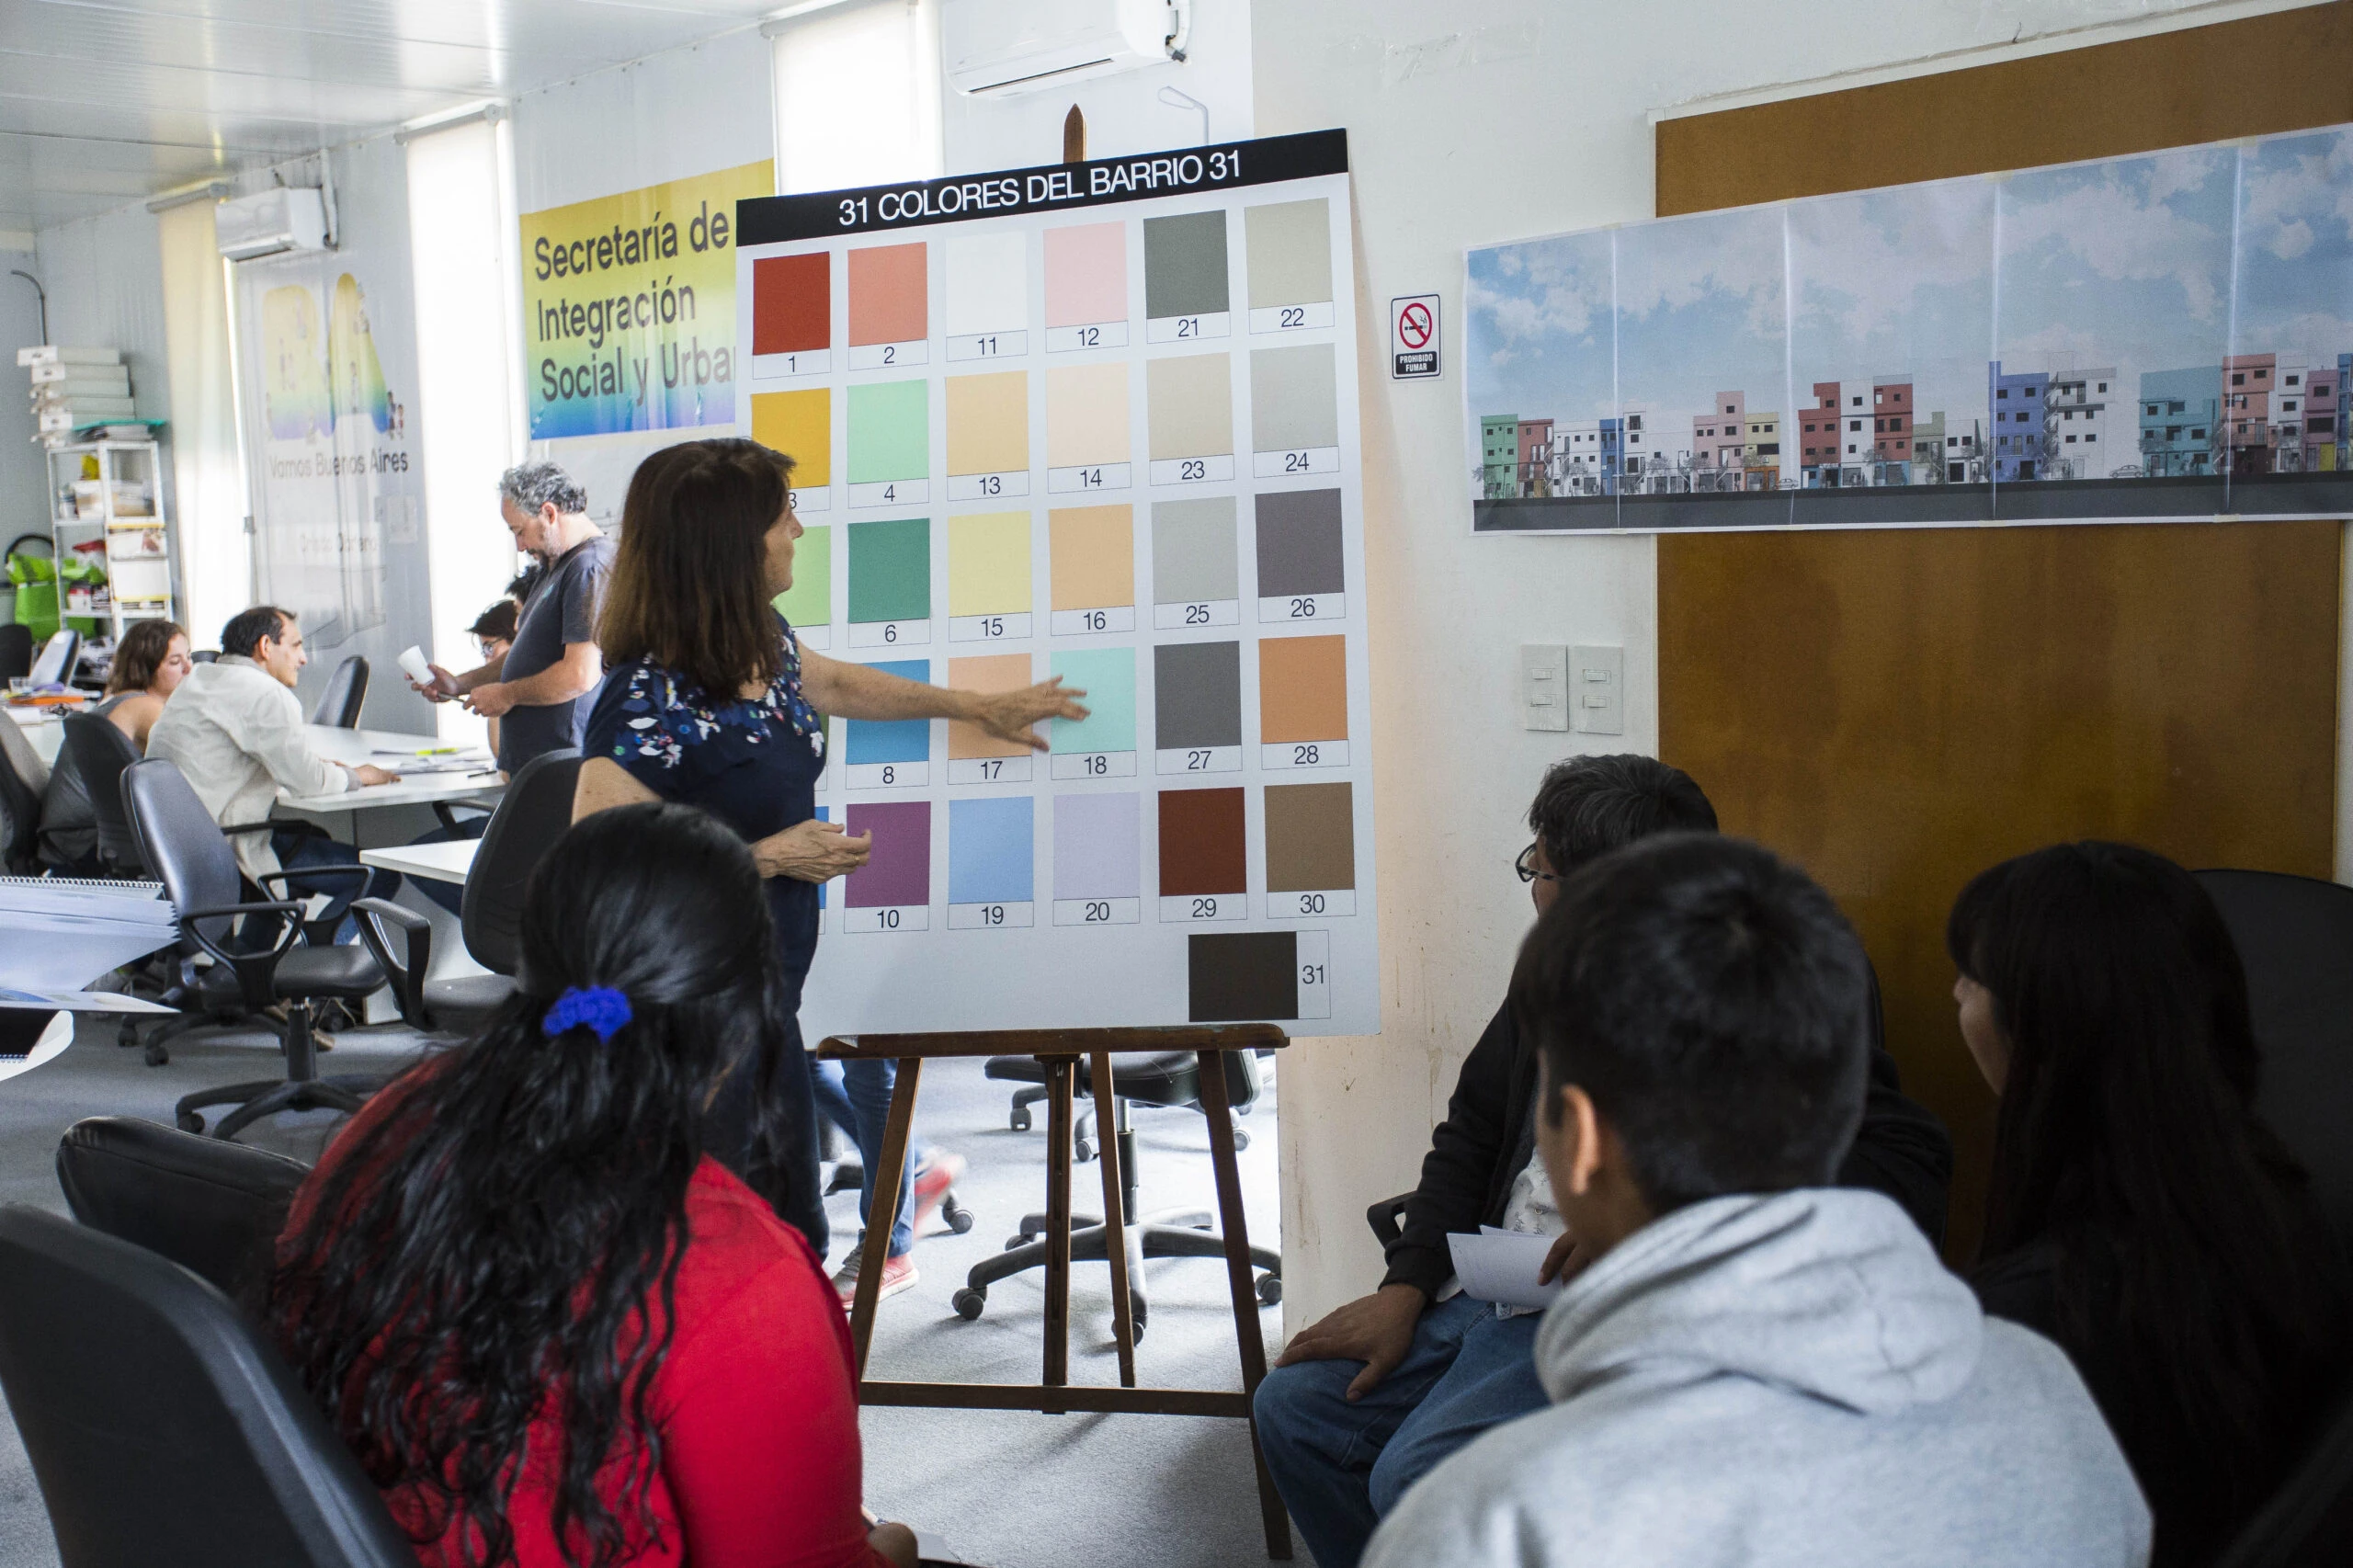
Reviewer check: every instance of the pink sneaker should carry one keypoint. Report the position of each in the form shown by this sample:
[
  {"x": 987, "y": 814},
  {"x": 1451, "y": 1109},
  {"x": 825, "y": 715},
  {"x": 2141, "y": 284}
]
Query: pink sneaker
[
  {"x": 898, "y": 1274},
  {"x": 933, "y": 1178}
]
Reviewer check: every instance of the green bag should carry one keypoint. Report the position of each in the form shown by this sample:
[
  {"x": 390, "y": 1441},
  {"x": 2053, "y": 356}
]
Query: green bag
[
  {"x": 79, "y": 571},
  {"x": 35, "y": 580}
]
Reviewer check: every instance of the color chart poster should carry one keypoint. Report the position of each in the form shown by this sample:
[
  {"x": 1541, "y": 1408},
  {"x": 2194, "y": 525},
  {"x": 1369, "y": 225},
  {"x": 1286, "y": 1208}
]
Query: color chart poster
[{"x": 1096, "y": 421}]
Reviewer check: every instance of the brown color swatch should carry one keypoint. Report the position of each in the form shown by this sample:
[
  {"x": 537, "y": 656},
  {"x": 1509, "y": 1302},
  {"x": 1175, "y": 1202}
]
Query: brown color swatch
[
  {"x": 1311, "y": 838},
  {"x": 1302, "y": 689},
  {"x": 793, "y": 304},
  {"x": 1201, "y": 843}
]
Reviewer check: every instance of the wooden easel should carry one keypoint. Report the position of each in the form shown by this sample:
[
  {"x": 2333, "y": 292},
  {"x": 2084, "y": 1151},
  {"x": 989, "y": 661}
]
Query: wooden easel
[{"x": 1055, "y": 1394}]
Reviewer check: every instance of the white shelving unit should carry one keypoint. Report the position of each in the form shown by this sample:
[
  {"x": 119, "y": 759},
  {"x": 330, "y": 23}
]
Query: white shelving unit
[{"x": 123, "y": 505}]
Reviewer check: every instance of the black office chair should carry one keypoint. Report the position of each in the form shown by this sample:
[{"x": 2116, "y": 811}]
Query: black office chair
[
  {"x": 1083, "y": 1143},
  {"x": 20, "y": 818},
  {"x": 16, "y": 651},
  {"x": 100, "y": 752},
  {"x": 2295, "y": 940},
  {"x": 347, "y": 693},
  {"x": 213, "y": 1207},
  {"x": 204, "y": 655},
  {"x": 532, "y": 814},
  {"x": 161, "y": 1426},
  {"x": 191, "y": 857},
  {"x": 1143, "y": 1077}
]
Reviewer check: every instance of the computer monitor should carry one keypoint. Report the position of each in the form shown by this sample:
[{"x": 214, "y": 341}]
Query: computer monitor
[{"x": 55, "y": 666}]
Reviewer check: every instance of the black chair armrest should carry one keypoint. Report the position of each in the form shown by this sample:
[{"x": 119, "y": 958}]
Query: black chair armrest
[
  {"x": 1385, "y": 1217},
  {"x": 408, "y": 979},
  {"x": 254, "y": 971},
  {"x": 252, "y": 827},
  {"x": 362, "y": 873}
]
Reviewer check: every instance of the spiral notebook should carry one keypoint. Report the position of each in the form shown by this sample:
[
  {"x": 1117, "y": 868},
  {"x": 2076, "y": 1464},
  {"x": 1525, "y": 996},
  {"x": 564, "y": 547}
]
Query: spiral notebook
[{"x": 58, "y": 934}]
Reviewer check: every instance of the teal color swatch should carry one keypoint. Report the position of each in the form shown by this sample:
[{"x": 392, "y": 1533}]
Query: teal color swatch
[
  {"x": 889, "y": 570},
  {"x": 890, "y": 432},
  {"x": 1108, "y": 676}
]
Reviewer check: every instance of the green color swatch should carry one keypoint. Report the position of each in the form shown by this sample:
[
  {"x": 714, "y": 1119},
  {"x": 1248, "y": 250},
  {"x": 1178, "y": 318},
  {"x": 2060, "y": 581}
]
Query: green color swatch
[
  {"x": 890, "y": 432},
  {"x": 809, "y": 600},
  {"x": 1108, "y": 676},
  {"x": 889, "y": 569}
]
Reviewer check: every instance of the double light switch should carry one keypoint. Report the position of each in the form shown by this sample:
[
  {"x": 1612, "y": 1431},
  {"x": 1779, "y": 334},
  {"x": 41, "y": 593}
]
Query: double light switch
[{"x": 1582, "y": 689}]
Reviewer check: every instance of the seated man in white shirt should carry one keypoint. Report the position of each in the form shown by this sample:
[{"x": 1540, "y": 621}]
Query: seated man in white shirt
[{"x": 235, "y": 728}]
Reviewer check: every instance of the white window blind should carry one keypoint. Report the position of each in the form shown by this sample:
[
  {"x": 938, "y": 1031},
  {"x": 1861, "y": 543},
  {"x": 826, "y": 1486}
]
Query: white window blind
[
  {"x": 207, "y": 458},
  {"x": 857, "y": 95}
]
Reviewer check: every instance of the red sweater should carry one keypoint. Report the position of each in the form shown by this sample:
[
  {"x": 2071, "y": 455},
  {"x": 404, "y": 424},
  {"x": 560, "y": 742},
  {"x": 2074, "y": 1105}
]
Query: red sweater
[{"x": 757, "y": 1403}]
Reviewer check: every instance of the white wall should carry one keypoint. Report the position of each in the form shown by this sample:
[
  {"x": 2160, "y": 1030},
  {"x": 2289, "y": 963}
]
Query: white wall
[
  {"x": 1468, "y": 126},
  {"x": 24, "y": 487}
]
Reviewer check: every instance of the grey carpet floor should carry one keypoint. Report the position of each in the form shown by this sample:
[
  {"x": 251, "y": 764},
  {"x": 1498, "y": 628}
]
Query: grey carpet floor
[{"x": 1013, "y": 1490}]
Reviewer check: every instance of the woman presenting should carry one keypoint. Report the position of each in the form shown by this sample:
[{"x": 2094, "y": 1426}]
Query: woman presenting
[{"x": 710, "y": 701}]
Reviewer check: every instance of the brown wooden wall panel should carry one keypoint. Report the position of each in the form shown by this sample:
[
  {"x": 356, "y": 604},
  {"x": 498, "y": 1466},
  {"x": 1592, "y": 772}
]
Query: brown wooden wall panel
[
  {"x": 1899, "y": 709},
  {"x": 2287, "y": 70}
]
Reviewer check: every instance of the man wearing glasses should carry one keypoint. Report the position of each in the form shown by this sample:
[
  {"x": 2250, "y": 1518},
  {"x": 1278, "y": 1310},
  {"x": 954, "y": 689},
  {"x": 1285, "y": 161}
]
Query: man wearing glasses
[{"x": 1373, "y": 1396}]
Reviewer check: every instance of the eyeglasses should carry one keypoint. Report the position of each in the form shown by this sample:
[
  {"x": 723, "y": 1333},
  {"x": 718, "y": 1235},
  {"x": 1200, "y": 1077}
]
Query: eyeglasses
[{"x": 1526, "y": 867}]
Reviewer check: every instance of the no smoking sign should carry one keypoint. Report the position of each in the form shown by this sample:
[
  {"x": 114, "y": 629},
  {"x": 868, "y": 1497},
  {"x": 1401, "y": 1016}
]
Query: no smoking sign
[{"x": 1412, "y": 337}]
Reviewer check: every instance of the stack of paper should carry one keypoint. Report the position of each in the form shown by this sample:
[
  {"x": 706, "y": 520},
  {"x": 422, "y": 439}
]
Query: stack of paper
[
  {"x": 1501, "y": 1266},
  {"x": 58, "y": 934},
  {"x": 434, "y": 759},
  {"x": 77, "y": 387}
]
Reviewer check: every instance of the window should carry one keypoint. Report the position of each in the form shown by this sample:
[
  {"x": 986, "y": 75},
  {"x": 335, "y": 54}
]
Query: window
[
  {"x": 2103, "y": 386},
  {"x": 2152, "y": 408},
  {"x": 1858, "y": 400},
  {"x": 2292, "y": 379},
  {"x": 1850, "y": 449},
  {"x": 1853, "y": 425},
  {"x": 1879, "y": 426},
  {"x": 2287, "y": 405},
  {"x": 2317, "y": 425},
  {"x": 2262, "y": 374},
  {"x": 1634, "y": 421},
  {"x": 2089, "y": 439},
  {"x": 2071, "y": 440},
  {"x": 2197, "y": 435},
  {"x": 2004, "y": 393},
  {"x": 1730, "y": 409},
  {"x": 857, "y": 95},
  {"x": 2238, "y": 377}
]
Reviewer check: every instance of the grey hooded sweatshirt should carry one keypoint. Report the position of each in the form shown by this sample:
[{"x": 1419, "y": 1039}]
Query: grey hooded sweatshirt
[{"x": 1792, "y": 1380}]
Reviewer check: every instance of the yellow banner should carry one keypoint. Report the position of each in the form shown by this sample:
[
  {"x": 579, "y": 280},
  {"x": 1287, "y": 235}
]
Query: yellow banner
[{"x": 629, "y": 306}]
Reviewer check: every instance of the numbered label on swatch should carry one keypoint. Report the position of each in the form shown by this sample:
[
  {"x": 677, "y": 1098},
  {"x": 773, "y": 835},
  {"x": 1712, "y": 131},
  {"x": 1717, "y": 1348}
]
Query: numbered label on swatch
[
  {"x": 1201, "y": 760},
  {"x": 987, "y": 486},
  {"x": 1193, "y": 471},
  {"x": 889, "y": 634},
  {"x": 888, "y": 918},
  {"x": 1095, "y": 334},
  {"x": 1303, "y": 607},
  {"x": 1291, "y": 318},
  {"x": 1095, "y": 764},
  {"x": 992, "y": 345},
  {"x": 1296, "y": 462},
  {"x": 1211, "y": 612},
  {"x": 1095, "y": 476},
  {"x": 1187, "y": 329},
  {"x": 1098, "y": 911},
  {"x": 988, "y": 770},
  {"x": 891, "y": 493},
  {"x": 885, "y": 356},
  {"x": 887, "y": 774},
  {"x": 988, "y": 916},
  {"x": 987, "y": 628},
  {"x": 1311, "y": 906},
  {"x": 1187, "y": 908},
  {"x": 777, "y": 367},
  {"x": 1315, "y": 949},
  {"x": 818, "y": 500},
  {"x": 1304, "y": 753},
  {"x": 1080, "y": 622}
]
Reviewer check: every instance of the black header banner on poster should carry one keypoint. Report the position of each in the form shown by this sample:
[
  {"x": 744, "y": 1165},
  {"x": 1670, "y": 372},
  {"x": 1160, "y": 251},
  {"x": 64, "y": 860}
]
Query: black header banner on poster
[{"x": 774, "y": 220}]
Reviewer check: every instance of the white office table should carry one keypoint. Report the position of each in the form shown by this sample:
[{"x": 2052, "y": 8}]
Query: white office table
[
  {"x": 356, "y": 746},
  {"x": 435, "y": 862},
  {"x": 44, "y": 727}
]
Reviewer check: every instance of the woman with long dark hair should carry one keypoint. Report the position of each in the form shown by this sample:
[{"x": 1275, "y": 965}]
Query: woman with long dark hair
[
  {"x": 148, "y": 663},
  {"x": 2140, "y": 1213},
  {"x": 554, "y": 1329},
  {"x": 710, "y": 701}
]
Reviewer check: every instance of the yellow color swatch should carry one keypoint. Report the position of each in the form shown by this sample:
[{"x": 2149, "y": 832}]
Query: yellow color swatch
[
  {"x": 990, "y": 672},
  {"x": 988, "y": 564},
  {"x": 988, "y": 423},
  {"x": 1086, "y": 415},
  {"x": 1091, "y": 552},
  {"x": 801, "y": 426}
]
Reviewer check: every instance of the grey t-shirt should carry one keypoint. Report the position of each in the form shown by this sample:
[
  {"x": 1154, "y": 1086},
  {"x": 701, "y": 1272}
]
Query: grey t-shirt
[{"x": 561, "y": 610}]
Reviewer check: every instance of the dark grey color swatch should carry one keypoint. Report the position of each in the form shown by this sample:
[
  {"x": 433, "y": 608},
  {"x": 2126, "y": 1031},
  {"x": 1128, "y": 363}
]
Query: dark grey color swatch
[
  {"x": 1197, "y": 695},
  {"x": 1184, "y": 265},
  {"x": 1241, "y": 976},
  {"x": 1299, "y": 543}
]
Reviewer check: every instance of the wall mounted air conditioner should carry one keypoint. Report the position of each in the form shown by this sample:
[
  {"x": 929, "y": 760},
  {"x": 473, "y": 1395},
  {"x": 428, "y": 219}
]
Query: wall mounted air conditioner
[
  {"x": 1004, "y": 47},
  {"x": 289, "y": 218}
]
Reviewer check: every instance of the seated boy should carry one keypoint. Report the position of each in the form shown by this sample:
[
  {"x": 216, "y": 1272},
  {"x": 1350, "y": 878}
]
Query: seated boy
[
  {"x": 1755, "y": 1367},
  {"x": 1372, "y": 1396}
]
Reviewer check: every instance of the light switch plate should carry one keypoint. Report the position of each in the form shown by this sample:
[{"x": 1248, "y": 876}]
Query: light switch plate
[
  {"x": 1597, "y": 690},
  {"x": 1544, "y": 686}
]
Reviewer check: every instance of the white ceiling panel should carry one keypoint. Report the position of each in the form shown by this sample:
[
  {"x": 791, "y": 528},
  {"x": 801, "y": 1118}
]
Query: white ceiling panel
[{"x": 104, "y": 101}]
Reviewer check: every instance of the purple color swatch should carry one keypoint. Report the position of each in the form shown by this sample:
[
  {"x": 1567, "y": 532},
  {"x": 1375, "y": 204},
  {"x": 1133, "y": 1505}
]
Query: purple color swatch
[
  {"x": 899, "y": 870},
  {"x": 1098, "y": 846}
]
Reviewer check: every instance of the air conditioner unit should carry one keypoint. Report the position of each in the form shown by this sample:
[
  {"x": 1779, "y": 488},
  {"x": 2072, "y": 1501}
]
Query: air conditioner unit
[
  {"x": 289, "y": 217},
  {"x": 1006, "y": 47}
]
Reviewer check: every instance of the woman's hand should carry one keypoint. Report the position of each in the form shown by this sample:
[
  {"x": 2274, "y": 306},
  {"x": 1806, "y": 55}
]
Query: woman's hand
[
  {"x": 811, "y": 851},
  {"x": 1008, "y": 715}
]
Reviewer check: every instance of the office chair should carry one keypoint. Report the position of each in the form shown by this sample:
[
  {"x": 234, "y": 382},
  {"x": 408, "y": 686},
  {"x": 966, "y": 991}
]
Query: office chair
[
  {"x": 100, "y": 752},
  {"x": 213, "y": 1207},
  {"x": 19, "y": 815},
  {"x": 1083, "y": 1144},
  {"x": 16, "y": 651},
  {"x": 193, "y": 858},
  {"x": 347, "y": 692},
  {"x": 1145, "y": 1077},
  {"x": 161, "y": 1426},
  {"x": 2295, "y": 940},
  {"x": 534, "y": 813},
  {"x": 204, "y": 655}
]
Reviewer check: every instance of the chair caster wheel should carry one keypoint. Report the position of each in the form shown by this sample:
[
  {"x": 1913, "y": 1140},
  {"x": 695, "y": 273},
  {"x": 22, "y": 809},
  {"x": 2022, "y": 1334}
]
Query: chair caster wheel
[
  {"x": 1082, "y": 1150},
  {"x": 1240, "y": 1140},
  {"x": 188, "y": 1121},
  {"x": 127, "y": 1034},
  {"x": 157, "y": 1054},
  {"x": 1136, "y": 1316},
  {"x": 959, "y": 1218},
  {"x": 968, "y": 1301},
  {"x": 1270, "y": 1289},
  {"x": 1019, "y": 1119}
]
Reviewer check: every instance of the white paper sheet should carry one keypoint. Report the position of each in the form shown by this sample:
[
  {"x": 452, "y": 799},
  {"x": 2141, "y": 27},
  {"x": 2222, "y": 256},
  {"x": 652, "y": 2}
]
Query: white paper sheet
[
  {"x": 1501, "y": 1266},
  {"x": 80, "y": 1001}
]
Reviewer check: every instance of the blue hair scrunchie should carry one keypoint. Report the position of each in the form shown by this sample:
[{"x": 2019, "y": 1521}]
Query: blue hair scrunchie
[{"x": 600, "y": 1007}]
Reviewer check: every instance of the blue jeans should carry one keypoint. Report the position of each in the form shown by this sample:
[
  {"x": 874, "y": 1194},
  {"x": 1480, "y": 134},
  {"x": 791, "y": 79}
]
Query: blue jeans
[
  {"x": 297, "y": 851},
  {"x": 856, "y": 1097},
  {"x": 450, "y": 896},
  {"x": 1340, "y": 1467}
]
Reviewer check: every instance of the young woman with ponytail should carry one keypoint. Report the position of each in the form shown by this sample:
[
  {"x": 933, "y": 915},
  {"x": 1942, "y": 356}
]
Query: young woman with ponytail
[{"x": 554, "y": 1330}]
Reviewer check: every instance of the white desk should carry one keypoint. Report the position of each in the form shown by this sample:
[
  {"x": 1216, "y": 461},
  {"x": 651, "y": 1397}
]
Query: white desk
[
  {"x": 435, "y": 862},
  {"x": 44, "y": 727},
  {"x": 356, "y": 746}
]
